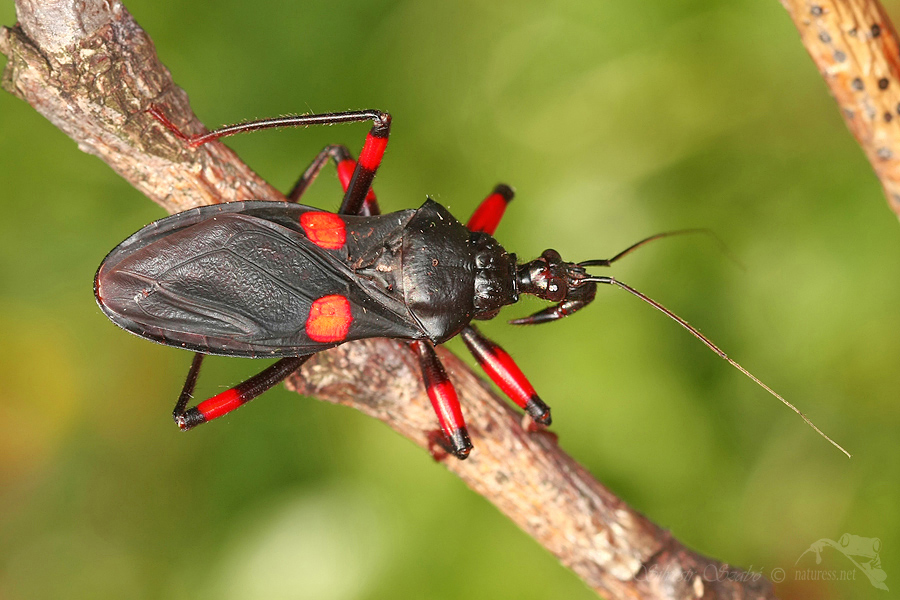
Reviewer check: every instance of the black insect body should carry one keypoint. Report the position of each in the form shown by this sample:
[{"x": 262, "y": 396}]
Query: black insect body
[
  {"x": 273, "y": 279},
  {"x": 241, "y": 279}
]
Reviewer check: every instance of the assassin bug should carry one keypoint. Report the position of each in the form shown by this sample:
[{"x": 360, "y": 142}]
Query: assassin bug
[{"x": 263, "y": 279}]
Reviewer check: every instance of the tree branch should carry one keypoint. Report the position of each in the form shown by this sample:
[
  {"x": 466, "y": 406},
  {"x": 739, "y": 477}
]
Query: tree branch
[
  {"x": 855, "y": 46},
  {"x": 90, "y": 69}
]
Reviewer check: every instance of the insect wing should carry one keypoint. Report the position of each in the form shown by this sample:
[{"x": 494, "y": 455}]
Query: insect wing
[{"x": 222, "y": 280}]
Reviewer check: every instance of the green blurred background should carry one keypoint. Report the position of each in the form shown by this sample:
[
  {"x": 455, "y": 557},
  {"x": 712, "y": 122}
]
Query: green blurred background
[{"x": 613, "y": 121}]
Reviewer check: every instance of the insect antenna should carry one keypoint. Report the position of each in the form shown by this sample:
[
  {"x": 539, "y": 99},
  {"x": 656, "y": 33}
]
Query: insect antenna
[
  {"x": 701, "y": 337},
  {"x": 605, "y": 262}
]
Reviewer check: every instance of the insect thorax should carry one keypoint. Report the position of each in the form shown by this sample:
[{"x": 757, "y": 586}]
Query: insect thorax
[
  {"x": 495, "y": 276},
  {"x": 452, "y": 275}
]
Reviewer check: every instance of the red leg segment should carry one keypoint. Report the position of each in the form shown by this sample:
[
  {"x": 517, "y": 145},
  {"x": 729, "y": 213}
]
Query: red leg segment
[
  {"x": 443, "y": 399},
  {"x": 369, "y": 160},
  {"x": 227, "y": 401},
  {"x": 345, "y": 170},
  {"x": 499, "y": 365},
  {"x": 501, "y": 368},
  {"x": 345, "y": 165},
  {"x": 488, "y": 214}
]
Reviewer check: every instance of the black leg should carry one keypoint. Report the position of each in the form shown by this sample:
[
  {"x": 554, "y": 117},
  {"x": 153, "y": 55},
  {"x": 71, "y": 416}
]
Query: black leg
[
  {"x": 345, "y": 165},
  {"x": 356, "y": 180},
  {"x": 369, "y": 158},
  {"x": 443, "y": 399},
  {"x": 337, "y": 153},
  {"x": 227, "y": 401}
]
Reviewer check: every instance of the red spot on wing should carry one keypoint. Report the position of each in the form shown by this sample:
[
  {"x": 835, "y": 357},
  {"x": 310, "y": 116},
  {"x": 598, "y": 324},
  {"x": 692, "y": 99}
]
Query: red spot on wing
[
  {"x": 329, "y": 319},
  {"x": 324, "y": 229}
]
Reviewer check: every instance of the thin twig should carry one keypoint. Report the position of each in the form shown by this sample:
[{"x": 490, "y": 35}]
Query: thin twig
[
  {"x": 855, "y": 46},
  {"x": 90, "y": 69}
]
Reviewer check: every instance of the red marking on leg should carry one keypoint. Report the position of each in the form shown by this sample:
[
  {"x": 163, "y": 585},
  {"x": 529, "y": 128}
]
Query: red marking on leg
[
  {"x": 443, "y": 399},
  {"x": 372, "y": 152},
  {"x": 446, "y": 405},
  {"x": 220, "y": 404},
  {"x": 503, "y": 371},
  {"x": 324, "y": 229},
  {"x": 329, "y": 319},
  {"x": 345, "y": 174},
  {"x": 488, "y": 214},
  {"x": 506, "y": 374}
]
